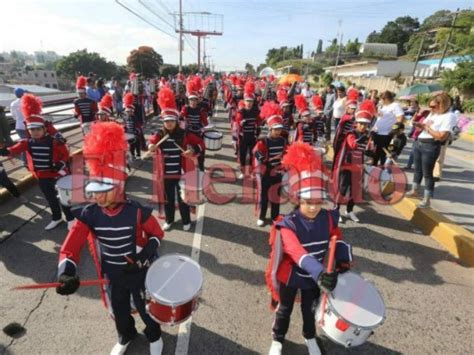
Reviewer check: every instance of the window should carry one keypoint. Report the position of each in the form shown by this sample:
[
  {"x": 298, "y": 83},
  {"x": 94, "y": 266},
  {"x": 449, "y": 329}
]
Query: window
[
  {"x": 45, "y": 75},
  {"x": 36, "y": 75},
  {"x": 47, "y": 85},
  {"x": 19, "y": 74},
  {"x": 55, "y": 86},
  {"x": 52, "y": 75}
]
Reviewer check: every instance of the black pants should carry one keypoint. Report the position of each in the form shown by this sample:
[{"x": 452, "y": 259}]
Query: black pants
[
  {"x": 345, "y": 188},
  {"x": 425, "y": 156},
  {"x": 267, "y": 181},
  {"x": 7, "y": 183},
  {"x": 172, "y": 190},
  {"x": 135, "y": 148},
  {"x": 48, "y": 188},
  {"x": 380, "y": 143},
  {"x": 246, "y": 145},
  {"x": 285, "y": 307},
  {"x": 328, "y": 128},
  {"x": 124, "y": 322}
]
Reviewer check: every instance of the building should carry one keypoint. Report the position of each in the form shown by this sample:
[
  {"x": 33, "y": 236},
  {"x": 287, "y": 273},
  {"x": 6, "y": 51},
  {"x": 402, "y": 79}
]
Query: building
[
  {"x": 448, "y": 62},
  {"x": 46, "y": 78},
  {"x": 369, "y": 68},
  {"x": 7, "y": 92},
  {"x": 385, "y": 49}
]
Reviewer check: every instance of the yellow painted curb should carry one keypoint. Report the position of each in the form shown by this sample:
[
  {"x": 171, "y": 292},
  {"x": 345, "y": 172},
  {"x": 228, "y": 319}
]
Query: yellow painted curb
[
  {"x": 457, "y": 240},
  {"x": 467, "y": 137},
  {"x": 26, "y": 181}
]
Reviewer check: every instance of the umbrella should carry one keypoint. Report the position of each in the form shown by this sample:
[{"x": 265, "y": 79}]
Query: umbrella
[
  {"x": 420, "y": 89},
  {"x": 267, "y": 71},
  {"x": 337, "y": 84},
  {"x": 407, "y": 97},
  {"x": 290, "y": 79}
]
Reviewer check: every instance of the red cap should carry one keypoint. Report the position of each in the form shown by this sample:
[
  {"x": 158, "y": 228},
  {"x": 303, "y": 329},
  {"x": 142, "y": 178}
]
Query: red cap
[
  {"x": 105, "y": 105},
  {"x": 31, "y": 107},
  {"x": 249, "y": 90},
  {"x": 167, "y": 102},
  {"x": 271, "y": 112},
  {"x": 81, "y": 83},
  {"x": 128, "y": 100},
  {"x": 317, "y": 102},
  {"x": 302, "y": 105}
]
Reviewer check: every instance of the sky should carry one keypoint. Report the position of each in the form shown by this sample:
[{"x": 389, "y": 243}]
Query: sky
[{"x": 249, "y": 27}]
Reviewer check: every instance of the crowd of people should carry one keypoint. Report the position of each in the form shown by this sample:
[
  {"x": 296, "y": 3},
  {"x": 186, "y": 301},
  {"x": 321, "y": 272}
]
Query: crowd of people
[{"x": 125, "y": 235}]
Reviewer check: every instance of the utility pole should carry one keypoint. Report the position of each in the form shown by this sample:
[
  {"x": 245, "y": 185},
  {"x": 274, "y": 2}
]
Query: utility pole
[
  {"x": 180, "y": 35},
  {"x": 448, "y": 39},
  {"x": 340, "y": 46},
  {"x": 204, "y": 53},
  {"x": 417, "y": 58}
]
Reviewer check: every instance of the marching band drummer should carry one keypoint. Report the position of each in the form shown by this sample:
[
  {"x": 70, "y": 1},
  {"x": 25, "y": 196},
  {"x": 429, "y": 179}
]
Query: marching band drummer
[
  {"x": 84, "y": 107},
  {"x": 194, "y": 116},
  {"x": 305, "y": 129},
  {"x": 346, "y": 123},
  {"x": 350, "y": 158},
  {"x": 130, "y": 126},
  {"x": 175, "y": 154},
  {"x": 299, "y": 242},
  {"x": 288, "y": 121},
  {"x": 268, "y": 153},
  {"x": 105, "y": 109},
  {"x": 123, "y": 237},
  {"x": 46, "y": 156}
]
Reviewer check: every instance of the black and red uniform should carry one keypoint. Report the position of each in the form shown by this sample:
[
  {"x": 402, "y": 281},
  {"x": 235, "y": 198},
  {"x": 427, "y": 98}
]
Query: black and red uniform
[
  {"x": 85, "y": 109},
  {"x": 47, "y": 159},
  {"x": 169, "y": 169},
  {"x": 129, "y": 230},
  {"x": 345, "y": 126},
  {"x": 306, "y": 132},
  {"x": 248, "y": 123},
  {"x": 268, "y": 153}
]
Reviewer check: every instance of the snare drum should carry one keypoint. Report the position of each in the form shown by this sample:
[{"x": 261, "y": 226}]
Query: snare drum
[
  {"x": 213, "y": 140},
  {"x": 65, "y": 189},
  {"x": 354, "y": 309},
  {"x": 378, "y": 181},
  {"x": 174, "y": 283},
  {"x": 192, "y": 188}
]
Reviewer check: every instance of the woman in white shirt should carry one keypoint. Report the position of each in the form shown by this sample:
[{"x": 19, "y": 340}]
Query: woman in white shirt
[
  {"x": 436, "y": 129},
  {"x": 390, "y": 113},
  {"x": 339, "y": 107}
]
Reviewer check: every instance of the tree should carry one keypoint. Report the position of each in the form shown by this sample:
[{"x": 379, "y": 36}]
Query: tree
[
  {"x": 249, "y": 68},
  {"x": 319, "y": 48},
  {"x": 398, "y": 32},
  {"x": 145, "y": 60},
  {"x": 327, "y": 78},
  {"x": 275, "y": 55},
  {"x": 169, "y": 69},
  {"x": 84, "y": 62},
  {"x": 461, "y": 78},
  {"x": 352, "y": 47}
]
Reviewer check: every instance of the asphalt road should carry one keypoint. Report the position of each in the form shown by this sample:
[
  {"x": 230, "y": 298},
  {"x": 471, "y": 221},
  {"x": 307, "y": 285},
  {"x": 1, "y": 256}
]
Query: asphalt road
[{"x": 428, "y": 296}]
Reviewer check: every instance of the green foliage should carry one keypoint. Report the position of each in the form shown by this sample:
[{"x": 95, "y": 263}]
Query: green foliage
[
  {"x": 352, "y": 47},
  {"x": 249, "y": 68},
  {"x": 398, "y": 32},
  {"x": 84, "y": 62},
  {"x": 424, "y": 99},
  {"x": 468, "y": 106},
  {"x": 327, "y": 78},
  {"x": 461, "y": 78},
  {"x": 302, "y": 66},
  {"x": 145, "y": 60},
  {"x": 169, "y": 69},
  {"x": 275, "y": 55},
  {"x": 319, "y": 48}
]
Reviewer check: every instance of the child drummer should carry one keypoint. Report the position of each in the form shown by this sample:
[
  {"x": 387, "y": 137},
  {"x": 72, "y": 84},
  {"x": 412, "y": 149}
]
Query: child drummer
[
  {"x": 300, "y": 241},
  {"x": 122, "y": 234}
]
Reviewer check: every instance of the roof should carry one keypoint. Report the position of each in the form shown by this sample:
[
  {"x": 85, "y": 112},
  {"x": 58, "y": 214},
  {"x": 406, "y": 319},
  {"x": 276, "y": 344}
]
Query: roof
[
  {"x": 35, "y": 89},
  {"x": 448, "y": 60},
  {"x": 355, "y": 64}
]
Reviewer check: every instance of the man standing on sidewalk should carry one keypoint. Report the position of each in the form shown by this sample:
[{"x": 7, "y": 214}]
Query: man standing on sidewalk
[
  {"x": 15, "y": 109},
  {"x": 328, "y": 110}
]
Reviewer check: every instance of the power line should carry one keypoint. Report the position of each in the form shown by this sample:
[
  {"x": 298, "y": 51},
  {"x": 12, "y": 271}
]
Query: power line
[
  {"x": 156, "y": 14},
  {"x": 143, "y": 19}
]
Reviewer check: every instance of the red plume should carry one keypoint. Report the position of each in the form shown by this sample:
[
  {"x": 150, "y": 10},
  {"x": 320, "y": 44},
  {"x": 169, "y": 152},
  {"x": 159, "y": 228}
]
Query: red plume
[
  {"x": 81, "y": 82},
  {"x": 166, "y": 99},
  {"x": 249, "y": 88},
  {"x": 197, "y": 83},
  {"x": 353, "y": 95},
  {"x": 106, "y": 101},
  {"x": 317, "y": 102},
  {"x": 301, "y": 157},
  {"x": 31, "y": 105},
  {"x": 106, "y": 140},
  {"x": 128, "y": 99},
  {"x": 369, "y": 106},
  {"x": 190, "y": 86},
  {"x": 282, "y": 95},
  {"x": 300, "y": 103},
  {"x": 269, "y": 109}
]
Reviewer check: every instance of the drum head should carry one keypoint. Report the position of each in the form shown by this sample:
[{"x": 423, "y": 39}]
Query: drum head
[
  {"x": 174, "y": 279},
  {"x": 65, "y": 182},
  {"x": 129, "y": 136},
  {"x": 213, "y": 135},
  {"x": 357, "y": 301}
]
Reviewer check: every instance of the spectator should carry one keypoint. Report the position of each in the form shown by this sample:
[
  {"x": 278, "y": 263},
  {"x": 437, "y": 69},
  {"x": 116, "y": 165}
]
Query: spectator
[
  {"x": 306, "y": 91},
  {"x": 414, "y": 133},
  {"x": 15, "y": 109},
  {"x": 117, "y": 96},
  {"x": 374, "y": 96},
  {"x": 457, "y": 105},
  {"x": 328, "y": 109},
  {"x": 5, "y": 141},
  {"x": 413, "y": 109},
  {"x": 100, "y": 87},
  {"x": 436, "y": 130},
  {"x": 339, "y": 106},
  {"x": 389, "y": 114},
  {"x": 91, "y": 91}
]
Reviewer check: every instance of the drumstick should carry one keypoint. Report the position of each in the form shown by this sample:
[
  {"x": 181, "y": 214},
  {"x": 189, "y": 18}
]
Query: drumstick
[
  {"x": 165, "y": 137},
  {"x": 329, "y": 269},
  {"x": 56, "y": 284},
  {"x": 390, "y": 155},
  {"x": 180, "y": 148}
]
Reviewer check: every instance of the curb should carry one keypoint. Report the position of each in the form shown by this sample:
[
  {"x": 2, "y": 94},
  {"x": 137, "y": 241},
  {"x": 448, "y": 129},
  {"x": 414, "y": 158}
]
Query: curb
[{"x": 456, "y": 239}]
